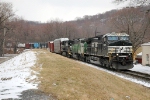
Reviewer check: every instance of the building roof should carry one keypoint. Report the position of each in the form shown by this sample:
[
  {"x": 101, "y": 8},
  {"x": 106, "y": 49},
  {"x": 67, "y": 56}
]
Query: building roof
[
  {"x": 139, "y": 54},
  {"x": 61, "y": 39},
  {"x": 116, "y": 34},
  {"x": 146, "y": 44}
]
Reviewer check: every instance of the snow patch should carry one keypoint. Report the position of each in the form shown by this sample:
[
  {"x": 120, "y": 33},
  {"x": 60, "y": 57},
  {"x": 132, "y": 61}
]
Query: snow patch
[{"x": 14, "y": 74}]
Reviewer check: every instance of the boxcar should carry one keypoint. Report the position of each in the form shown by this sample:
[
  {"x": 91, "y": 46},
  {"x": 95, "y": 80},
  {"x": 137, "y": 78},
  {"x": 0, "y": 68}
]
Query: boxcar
[
  {"x": 43, "y": 45},
  {"x": 51, "y": 44},
  {"x": 21, "y": 45},
  {"x": 36, "y": 45},
  {"x": 27, "y": 46},
  {"x": 31, "y": 45},
  {"x": 58, "y": 45}
]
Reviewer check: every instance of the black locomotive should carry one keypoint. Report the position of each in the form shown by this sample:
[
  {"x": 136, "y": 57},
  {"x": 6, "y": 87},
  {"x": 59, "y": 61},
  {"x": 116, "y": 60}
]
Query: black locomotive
[{"x": 112, "y": 50}]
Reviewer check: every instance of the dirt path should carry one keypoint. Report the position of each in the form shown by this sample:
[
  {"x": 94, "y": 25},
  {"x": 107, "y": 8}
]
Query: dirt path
[
  {"x": 35, "y": 94},
  {"x": 7, "y": 57}
]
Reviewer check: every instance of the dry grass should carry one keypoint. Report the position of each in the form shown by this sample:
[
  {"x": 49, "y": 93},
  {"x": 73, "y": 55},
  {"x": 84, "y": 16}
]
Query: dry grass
[{"x": 68, "y": 79}]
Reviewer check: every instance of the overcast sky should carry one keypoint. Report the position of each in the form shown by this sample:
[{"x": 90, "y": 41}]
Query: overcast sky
[{"x": 65, "y": 10}]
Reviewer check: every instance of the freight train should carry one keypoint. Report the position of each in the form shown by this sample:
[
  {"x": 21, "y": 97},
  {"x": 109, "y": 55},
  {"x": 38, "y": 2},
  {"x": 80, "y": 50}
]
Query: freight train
[
  {"x": 111, "y": 50},
  {"x": 36, "y": 45}
]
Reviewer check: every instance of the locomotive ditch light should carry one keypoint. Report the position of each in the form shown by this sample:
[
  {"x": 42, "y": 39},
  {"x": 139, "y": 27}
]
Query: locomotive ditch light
[
  {"x": 117, "y": 54},
  {"x": 69, "y": 53}
]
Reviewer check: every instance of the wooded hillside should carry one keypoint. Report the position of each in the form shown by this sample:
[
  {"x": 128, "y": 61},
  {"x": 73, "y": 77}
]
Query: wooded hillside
[{"x": 135, "y": 21}]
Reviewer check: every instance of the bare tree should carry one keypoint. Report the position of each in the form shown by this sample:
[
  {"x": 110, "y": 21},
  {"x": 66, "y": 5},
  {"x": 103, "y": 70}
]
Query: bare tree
[
  {"x": 49, "y": 30},
  {"x": 133, "y": 2},
  {"x": 139, "y": 2},
  {"x": 132, "y": 21},
  {"x": 69, "y": 30},
  {"x": 6, "y": 13}
]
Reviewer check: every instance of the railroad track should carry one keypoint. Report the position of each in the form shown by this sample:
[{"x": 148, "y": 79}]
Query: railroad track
[
  {"x": 136, "y": 75},
  {"x": 139, "y": 75}
]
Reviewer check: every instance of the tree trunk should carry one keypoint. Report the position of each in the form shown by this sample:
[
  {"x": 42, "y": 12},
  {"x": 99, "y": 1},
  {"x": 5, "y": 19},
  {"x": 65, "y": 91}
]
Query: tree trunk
[
  {"x": 15, "y": 49},
  {"x": 1, "y": 51}
]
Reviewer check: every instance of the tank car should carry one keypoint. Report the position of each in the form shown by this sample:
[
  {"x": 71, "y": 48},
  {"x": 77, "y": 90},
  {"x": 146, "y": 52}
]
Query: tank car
[{"x": 112, "y": 50}]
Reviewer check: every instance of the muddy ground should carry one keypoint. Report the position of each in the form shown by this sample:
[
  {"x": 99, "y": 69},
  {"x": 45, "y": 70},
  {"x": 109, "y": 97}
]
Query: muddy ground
[
  {"x": 7, "y": 57},
  {"x": 36, "y": 95}
]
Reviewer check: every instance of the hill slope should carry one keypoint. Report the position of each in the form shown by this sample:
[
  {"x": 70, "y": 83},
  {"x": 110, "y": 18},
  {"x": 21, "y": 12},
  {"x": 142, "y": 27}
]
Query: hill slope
[{"x": 68, "y": 79}]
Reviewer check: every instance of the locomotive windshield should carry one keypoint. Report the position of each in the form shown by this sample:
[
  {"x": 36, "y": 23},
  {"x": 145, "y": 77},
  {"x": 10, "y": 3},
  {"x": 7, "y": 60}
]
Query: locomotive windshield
[
  {"x": 118, "y": 38},
  {"x": 124, "y": 38},
  {"x": 112, "y": 37}
]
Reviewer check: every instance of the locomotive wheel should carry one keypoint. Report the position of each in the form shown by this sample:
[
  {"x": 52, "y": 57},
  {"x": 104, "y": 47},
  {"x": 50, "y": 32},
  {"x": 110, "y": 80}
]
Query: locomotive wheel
[
  {"x": 87, "y": 59},
  {"x": 123, "y": 63},
  {"x": 103, "y": 63},
  {"x": 78, "y": 57},
  {"x": 107, "y": 63},
  {"x": 84, "y": 59},
  {"x": 68, "y": 55}
]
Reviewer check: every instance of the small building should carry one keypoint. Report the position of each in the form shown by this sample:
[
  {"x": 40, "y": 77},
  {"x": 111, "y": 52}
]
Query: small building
[
  {"x": 146, "y": 54},
  {"x": 139, "y": 58}
]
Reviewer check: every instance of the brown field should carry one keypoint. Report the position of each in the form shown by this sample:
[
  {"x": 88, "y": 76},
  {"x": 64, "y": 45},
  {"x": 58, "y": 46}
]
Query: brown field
[{"x": 67, "y": 79}]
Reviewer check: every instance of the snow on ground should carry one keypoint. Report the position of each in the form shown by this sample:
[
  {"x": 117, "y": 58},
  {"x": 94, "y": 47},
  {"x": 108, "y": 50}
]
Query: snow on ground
[
  {"x": 14, "y": 74},
  {"x": 138, "y": 68}
]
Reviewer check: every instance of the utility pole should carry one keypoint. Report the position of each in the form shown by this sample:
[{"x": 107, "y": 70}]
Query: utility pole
[
  {"x": 96, "y": 31},
  {"x": 4, "y": 38}
]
